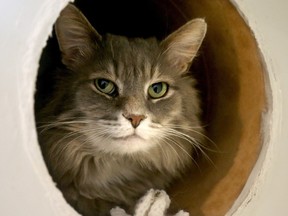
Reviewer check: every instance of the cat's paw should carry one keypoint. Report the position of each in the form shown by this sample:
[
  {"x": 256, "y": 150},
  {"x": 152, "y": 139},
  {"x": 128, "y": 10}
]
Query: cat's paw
[
  {"x": 117, "y": 211},
  {"x": 182, "y": 213},
  {"x": 160, "y": 204},
  {"x": 155, "y": 203},
  {"x": 144, "y": 204}
]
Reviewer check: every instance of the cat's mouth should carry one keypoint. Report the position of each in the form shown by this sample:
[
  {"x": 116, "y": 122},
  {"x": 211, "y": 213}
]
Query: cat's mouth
[
  {"x": 129, "y": 137},
  {"x": 128, "y": 144}
]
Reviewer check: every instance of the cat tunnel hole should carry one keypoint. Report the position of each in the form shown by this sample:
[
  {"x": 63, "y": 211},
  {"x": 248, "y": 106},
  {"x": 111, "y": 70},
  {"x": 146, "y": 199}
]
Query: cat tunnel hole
[{"x": 230, "y": 74}]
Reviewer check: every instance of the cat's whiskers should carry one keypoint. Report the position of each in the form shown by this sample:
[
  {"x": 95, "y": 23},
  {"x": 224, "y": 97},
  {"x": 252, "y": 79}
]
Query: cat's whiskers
[
  {"x": 194, "y": 143},
  {"x": 192, "y": 129},
  {"x": 164, "y": 152},
  {"x": 76, "y": 133},
  {"x": 60, "y": 123},
  {"x": 102, "y": 135},
  {"x": 170, "y": 132},
  {"x": 96, "y": 134},
  {"x": 169, "y": 140},
  {"x": 199, "y": 147},
  {"x": 66, "y": 145}
]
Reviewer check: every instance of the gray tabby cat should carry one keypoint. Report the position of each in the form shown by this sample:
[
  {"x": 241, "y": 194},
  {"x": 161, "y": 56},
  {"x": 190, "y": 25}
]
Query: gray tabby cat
[{"x": 124, "y": 117}]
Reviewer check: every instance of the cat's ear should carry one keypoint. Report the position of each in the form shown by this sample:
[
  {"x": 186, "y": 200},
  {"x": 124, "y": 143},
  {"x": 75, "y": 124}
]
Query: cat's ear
[
  {"x": 181, "y": 46},
  {"x": 76, "y": 37}
]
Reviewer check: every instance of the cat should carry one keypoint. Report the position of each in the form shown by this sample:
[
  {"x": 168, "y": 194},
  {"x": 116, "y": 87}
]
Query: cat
[{"x": 124, "y": 116}]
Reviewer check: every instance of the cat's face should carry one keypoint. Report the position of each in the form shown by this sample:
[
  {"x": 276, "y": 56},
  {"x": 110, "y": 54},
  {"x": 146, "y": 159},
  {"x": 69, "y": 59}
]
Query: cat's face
[{"x": 129, "y": 95}]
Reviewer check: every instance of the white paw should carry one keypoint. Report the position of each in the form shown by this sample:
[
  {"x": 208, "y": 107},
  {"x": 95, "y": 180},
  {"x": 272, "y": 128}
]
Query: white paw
[
  {"x": 160, "y": 205},
  {"x": 153, "y": 203},
  {"x": 182, "y": 213},
  {"x": 144, "y": 204},
  {"x": 118, "y": 212}
]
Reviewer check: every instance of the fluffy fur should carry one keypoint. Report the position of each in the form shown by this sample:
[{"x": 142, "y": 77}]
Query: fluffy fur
[{"x": 97, "y": 157}]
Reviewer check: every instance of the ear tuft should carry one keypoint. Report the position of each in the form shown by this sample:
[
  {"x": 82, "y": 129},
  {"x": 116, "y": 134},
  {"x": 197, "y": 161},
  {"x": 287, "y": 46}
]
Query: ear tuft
[
  {"x": 181, "y": 46},
  {"x": 76, "y": 37}
]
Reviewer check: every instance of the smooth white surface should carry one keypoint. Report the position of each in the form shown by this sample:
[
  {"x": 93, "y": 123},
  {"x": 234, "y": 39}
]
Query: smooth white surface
[
  {"x": 25, "y": 186},
  {"x": 269, "y": 194}
]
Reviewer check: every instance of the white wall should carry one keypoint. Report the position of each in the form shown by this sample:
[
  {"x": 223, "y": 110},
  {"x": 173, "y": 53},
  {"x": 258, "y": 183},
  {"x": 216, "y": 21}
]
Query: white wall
[
  {"x": 25, "y": 186},
  {"x": 269, "y": 194}
]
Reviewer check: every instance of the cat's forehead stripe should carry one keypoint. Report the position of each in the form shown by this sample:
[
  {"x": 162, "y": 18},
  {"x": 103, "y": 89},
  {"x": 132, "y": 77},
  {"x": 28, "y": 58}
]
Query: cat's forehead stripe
[
  {"x": 111, "y": 69},
  {"x": 155, "y": 73},
  {"x": 133, "y": 70}
]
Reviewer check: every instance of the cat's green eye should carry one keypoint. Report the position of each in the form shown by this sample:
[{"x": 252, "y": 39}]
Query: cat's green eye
[
  {"x": 158, "y": 90},
  {"x": 106, "y": 86}
]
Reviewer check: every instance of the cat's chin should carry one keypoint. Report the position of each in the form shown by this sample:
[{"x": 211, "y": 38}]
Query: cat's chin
[
  {"x": 128, "y": 138},
  {"x": 128, "y": 145}
]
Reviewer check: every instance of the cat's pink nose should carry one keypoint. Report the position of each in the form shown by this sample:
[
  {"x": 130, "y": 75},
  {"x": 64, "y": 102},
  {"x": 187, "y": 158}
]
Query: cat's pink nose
[{"x": 135, "y": 119}]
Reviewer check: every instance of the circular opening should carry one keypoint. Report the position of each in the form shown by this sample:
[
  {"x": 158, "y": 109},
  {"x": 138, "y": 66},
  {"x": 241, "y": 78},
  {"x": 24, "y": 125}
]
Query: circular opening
[{"x": 231, "y": 80}]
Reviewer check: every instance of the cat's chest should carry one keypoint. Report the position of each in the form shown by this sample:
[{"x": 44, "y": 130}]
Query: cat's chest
[
  {"x": 114, "y": 169},
  {"x": 100, "y": 176},
  {"x": 105, "y": 170}
]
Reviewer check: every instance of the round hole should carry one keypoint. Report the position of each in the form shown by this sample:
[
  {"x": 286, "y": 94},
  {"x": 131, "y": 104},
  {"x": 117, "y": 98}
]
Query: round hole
[{"x": 231, "y": 79}]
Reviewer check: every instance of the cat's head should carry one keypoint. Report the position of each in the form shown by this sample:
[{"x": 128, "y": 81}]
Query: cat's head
[{"x": 129, "y": 95}]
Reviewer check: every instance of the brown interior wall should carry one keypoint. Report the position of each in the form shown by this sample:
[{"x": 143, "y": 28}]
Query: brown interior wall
[{"x": 236, "y": 100}]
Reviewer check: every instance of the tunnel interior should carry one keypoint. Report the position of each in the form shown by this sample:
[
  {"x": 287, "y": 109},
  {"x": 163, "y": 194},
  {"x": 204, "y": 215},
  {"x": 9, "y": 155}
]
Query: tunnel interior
[{"x": 230, "y": 77}]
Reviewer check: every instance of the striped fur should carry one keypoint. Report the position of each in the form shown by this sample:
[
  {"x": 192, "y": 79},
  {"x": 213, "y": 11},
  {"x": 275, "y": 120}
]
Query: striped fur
[{"x": 93, "y": 153}]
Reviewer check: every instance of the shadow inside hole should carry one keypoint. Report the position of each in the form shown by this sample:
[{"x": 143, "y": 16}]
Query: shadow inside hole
[
  {"x": 130, "y": 18},
  {"x": 229, "y": 79}
]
